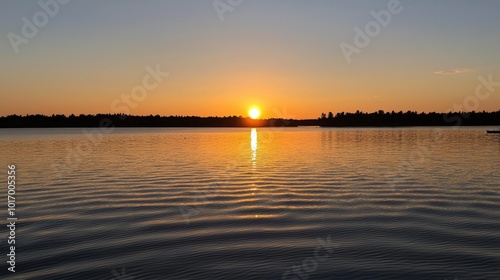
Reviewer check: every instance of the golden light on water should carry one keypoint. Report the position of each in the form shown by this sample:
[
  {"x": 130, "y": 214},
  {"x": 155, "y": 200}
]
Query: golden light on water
[{"x": 253, "y": 144}]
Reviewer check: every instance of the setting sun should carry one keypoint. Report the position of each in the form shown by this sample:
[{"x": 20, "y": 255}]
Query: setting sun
[{"x": 254, "y": 113}]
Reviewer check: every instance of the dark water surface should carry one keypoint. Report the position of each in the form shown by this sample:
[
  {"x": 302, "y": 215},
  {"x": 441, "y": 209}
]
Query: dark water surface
[{"x": 295, "y": 203}]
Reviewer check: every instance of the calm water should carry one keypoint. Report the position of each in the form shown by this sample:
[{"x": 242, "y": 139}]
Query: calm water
[{"x": 413, "y": 203}]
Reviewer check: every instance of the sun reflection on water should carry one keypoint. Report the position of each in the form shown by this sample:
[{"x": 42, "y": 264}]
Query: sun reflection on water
[{"x": 253, "y": 145}]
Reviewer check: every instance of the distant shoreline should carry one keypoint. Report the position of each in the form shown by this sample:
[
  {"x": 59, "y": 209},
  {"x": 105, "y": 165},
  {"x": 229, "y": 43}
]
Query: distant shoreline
[{"x": 358, "y": 119}]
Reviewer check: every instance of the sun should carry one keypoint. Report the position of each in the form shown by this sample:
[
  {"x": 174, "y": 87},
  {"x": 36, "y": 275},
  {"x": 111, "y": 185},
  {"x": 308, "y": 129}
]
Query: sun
[{"x": 254, "y": 113}]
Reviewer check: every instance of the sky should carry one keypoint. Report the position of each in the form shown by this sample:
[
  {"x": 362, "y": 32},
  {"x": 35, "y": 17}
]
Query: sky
[{"x": 290, "y": 58}]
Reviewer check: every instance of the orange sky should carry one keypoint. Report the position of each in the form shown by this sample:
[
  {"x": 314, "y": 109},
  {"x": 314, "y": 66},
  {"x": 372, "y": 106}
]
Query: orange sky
[{"x": 284, "y": 58}]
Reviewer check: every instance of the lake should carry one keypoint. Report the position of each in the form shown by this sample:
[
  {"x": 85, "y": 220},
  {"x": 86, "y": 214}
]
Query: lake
[{"x": 242, "y": 203}]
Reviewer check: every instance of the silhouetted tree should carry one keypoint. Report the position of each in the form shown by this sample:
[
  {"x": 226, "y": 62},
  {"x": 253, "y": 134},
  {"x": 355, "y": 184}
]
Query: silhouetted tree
[{"x": 341, "y": 119}]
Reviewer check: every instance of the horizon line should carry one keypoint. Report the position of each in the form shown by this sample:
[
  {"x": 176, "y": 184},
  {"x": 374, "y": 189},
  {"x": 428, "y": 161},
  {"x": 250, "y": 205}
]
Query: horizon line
[{"x": 247, "y": 117}]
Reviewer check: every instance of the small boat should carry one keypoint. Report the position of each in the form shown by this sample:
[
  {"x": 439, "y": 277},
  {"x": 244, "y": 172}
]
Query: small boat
[{"x": 493, "y": 131}]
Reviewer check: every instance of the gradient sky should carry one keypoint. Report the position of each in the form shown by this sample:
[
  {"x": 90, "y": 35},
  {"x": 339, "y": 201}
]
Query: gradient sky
[{"x": 281, "y": 55}]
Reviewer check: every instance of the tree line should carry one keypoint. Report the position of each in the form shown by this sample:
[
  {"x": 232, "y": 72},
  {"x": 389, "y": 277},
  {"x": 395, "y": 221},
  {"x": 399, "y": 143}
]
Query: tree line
[
  {"x": 409, "y": 118},
  {"x": 341, "y": 119},
  {"x": 122, "y": 120}
]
